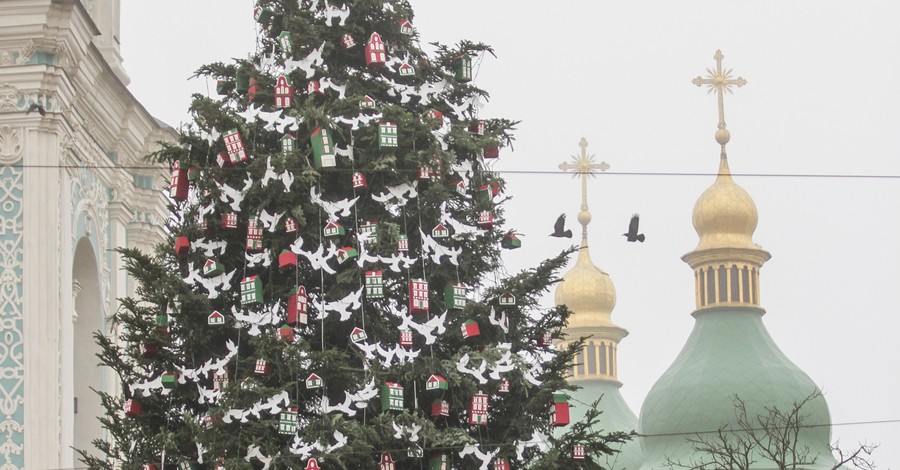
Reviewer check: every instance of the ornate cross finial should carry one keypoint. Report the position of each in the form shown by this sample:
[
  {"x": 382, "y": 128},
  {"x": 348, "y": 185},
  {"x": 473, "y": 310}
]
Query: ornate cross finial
[
  {"x": 720, "y": 81},
  {"x": 584, "y": 166}
]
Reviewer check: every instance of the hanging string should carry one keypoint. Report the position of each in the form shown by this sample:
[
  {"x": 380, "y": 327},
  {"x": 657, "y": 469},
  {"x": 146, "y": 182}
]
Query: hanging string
[
  {"x": 359, "y": 274},
  {"x": 321, "y": 279}
]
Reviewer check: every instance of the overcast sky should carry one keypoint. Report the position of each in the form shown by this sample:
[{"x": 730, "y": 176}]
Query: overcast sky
[{"x": 822, "y": 102}]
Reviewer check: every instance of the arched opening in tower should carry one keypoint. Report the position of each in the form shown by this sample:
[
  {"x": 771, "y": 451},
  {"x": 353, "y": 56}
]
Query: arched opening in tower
[{"x": 87, "y": 319}]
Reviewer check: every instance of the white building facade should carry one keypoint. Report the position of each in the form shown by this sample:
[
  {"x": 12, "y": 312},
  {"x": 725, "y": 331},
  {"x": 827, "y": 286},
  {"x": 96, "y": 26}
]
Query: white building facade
[{"x": 73, "y": 187}]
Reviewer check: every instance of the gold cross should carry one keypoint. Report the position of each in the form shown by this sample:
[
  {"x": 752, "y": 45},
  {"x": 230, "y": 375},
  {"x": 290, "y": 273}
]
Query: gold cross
[
  {"x": 583, "y": 166},
  {"x": 720, "y": 81}
]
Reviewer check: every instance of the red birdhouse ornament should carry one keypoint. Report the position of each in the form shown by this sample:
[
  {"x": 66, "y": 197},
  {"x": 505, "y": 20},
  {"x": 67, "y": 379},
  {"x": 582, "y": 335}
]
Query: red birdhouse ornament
[
  {"x": 287, "y": 259},
  {"x": 546, "y": 339},
  {"x": 286, "y": 334},
  {"x": 284, "y": 93},
  {"x": 229, "y": 220},
  {"x": 478, "y": 409},
  {"x": 477, "y": 127},
  {"x": 222, "y": 160},
  {"x": 297, "y": 307},
  {"x": 435, "y": 118},
  {"x": 440, "y": 408},
  {"x": 312, "y": 464},
  {"x": 406, "y": 27},
  {"x": 578, "y": 452},
  {"x": 148, "y": 349},
  {"x": 314, "y": 88},
  {"x": 133, "y": 408},
  {"x": 182, "y": 245},
  {"x": 234, "y": 145},
  {"x": 386, "y": 462},
  {"x": 254, "y": 234},
  {"x": 178, "y": 186},
  {"x": 251, "y": 91},
  {"x": 501, "y": 464},
  {"x": 470, "y": 329},
  {"x": 221, "y": 379},
  {"x": 559, "y": 413},
  {"x": 348, "y": 41},
  {"x": 263, "y": 367},
  {"x": 359, "y": 181},
  {"x": 492, "y": 152},
  {"x": 406, "y": 338},
  {"x": 291, "y": 225},
  {"x": 375, "y": 53},
  {"x": 486, "y": 219},
  {"x": 418, "y": 296}
]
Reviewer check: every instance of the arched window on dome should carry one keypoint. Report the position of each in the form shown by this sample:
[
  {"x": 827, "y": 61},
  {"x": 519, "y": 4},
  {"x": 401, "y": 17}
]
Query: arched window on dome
[
  {"x": 579, "y": 366},
  {"x": 723, "y": 284},
  {"x": 735, "y": 284},
  {"x": 754, "y": 286},
  {"x": 745, "y": 284},
  {"x": 613, "y": 359},
  {"x": 591, "y": 358},
  {"x": 563, "y": 347},
  {"x": 604, "y": 359},
  {"x": 701, "y": 292},
  {"x": 710, "y": 286}
]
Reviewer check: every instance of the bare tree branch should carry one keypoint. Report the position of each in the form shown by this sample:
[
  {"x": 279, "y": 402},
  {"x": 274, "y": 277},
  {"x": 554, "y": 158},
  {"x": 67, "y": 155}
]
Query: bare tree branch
[{"x": 772, "y": 436}]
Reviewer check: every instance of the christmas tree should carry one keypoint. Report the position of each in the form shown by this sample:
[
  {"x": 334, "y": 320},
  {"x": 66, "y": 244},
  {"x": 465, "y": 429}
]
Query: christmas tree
[{"x": 332, "y": 294}]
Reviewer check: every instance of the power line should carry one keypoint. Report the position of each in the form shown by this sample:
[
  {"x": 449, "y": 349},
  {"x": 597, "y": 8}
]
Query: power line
[
  {"x": 799, "y": 426},
  {"x": 508, "y": 172}
]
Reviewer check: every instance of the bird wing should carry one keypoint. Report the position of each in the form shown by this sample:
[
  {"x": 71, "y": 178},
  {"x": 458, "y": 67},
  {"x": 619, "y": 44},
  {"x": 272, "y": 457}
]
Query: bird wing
[
  {"x": 560, "y": 224},
  {"x": 633, "y": 225}
]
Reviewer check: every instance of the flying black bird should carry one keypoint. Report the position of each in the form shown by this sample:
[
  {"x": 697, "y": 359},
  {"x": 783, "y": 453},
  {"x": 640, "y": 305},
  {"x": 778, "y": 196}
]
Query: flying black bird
[
  {"x": 38, "y": 108},
  {"x": 559, "y": 227},
  {"x": 633, "y": 234}
]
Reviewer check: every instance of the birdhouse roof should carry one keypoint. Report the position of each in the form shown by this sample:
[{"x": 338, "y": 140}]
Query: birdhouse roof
[
  {"x": 313, "y": 376},
  {"x": 436, "y": 378},
  {"x": 249, "y": 278},
  {"x": 216, "y": 314},
  {"x": 357, "y": 330},
  {"x": 405, "y": 22}
]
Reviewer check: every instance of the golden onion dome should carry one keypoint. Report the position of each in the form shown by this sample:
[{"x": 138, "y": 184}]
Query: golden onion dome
[
  {"x": 588, "y": 292},
  {"x": 725, "y": 214}
]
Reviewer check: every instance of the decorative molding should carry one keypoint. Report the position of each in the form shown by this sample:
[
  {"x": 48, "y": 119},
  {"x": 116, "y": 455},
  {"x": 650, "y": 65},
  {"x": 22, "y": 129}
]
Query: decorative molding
[
  {"x": 14, "y": 100},
  {"x": 10, "y": 145},
  {"x": 9, "y": 98},
  {"x": 12, "y": 349}
]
